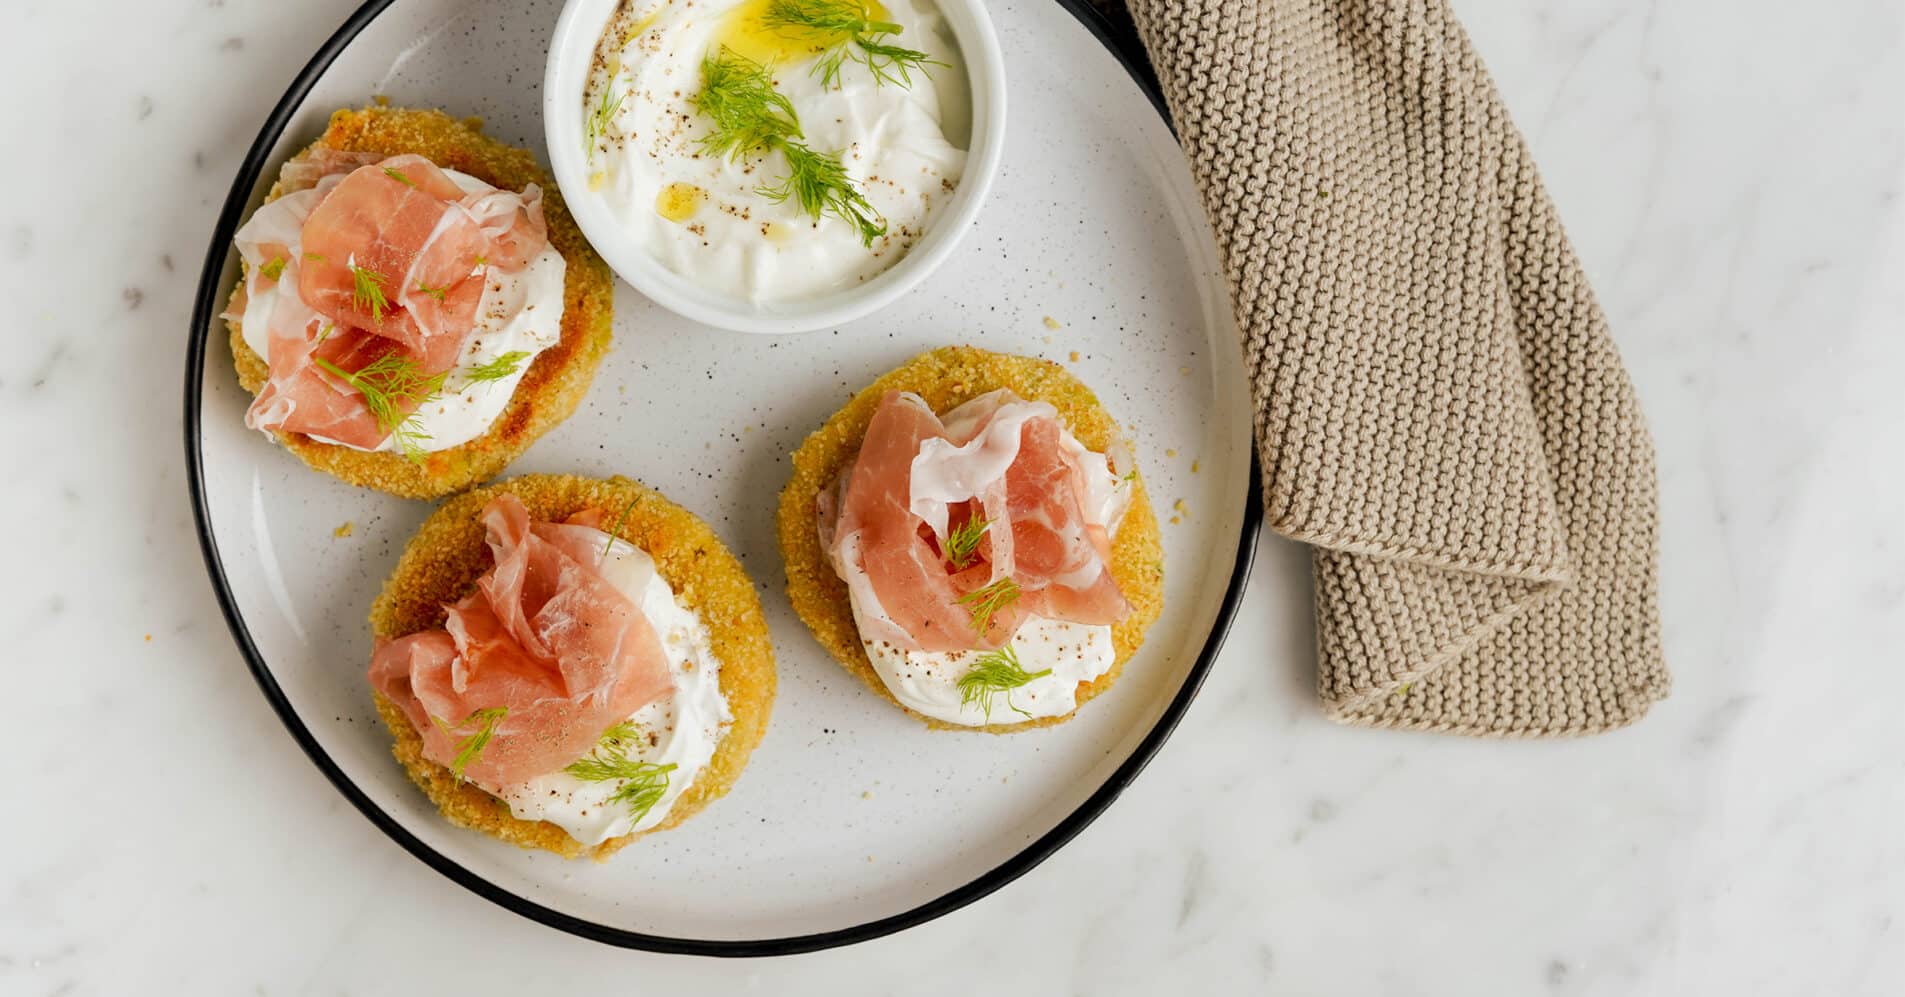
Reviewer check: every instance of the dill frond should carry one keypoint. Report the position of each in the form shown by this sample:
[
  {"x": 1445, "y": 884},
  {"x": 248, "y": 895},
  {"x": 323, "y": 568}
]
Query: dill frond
[
  {"x": 273, "y": 269},
  {"x": 643, "y": 784},
  {"x": 398, "y": 175},
  {"x": 600, "y": 116},
  {"x": 853, "y": 37},
  {"x": 890, "y": 63},
  {"x": 962, "y": 544},
  {"x": 834, "y": 17},
  {"x": 993, "y": 674},
  {"x": 388, "y": 384},
  {"x": 983, "y": 603},
  {"x": 367, "y": 292},
  {"x": 749, "y": 114},
  {"x": 468, "y": 749},
  {"x": 617, "y": 528},
  {"x": 499, "y": 368},
  {"x": 820, "y": 185},
  {"x": 621, "y": 734}
]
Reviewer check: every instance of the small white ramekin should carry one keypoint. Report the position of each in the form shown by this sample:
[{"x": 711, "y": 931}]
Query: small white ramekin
[{"x": 570, "y": 52}]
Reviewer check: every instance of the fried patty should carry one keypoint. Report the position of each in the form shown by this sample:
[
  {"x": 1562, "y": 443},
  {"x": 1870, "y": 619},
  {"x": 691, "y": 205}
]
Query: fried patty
[
  {"x": 946, "y": 377},
  {"x": 554, "y": 383},
  {"x": 442, "y": 562}
]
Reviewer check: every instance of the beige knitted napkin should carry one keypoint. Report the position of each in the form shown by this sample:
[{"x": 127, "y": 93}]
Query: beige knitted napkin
[{"x": 1439, "y": 408}]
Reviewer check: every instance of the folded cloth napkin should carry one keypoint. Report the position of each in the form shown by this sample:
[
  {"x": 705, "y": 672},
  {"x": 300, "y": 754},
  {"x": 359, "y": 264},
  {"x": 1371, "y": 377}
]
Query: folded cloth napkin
[{"x": 1439, "y": 408}]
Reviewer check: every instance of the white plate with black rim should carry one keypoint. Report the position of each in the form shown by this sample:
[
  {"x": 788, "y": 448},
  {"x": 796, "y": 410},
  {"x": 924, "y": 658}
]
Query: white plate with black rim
[{"x": 852, "y": 820}]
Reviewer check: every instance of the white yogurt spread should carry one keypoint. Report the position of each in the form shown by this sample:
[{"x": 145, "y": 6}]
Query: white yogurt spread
[
  {"x": 928, "y": 681},
  {"x": 944, "y": 473},
  {"x": 519, "y": 312},
  {"x": 703, "y": 215},
  {"x": 682, "y": 729}
]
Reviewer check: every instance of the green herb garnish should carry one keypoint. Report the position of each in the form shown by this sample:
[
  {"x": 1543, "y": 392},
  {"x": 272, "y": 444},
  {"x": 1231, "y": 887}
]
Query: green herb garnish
[
  {"x": 434, "y": 292},
  {"x": 314, "y": 258},
  {"x": 750, "y": 116},
  {"x": 888, "y": 63},
  {"x": 831, "y": 17},
  {"x": 273, "y": 269},
  {"x": 642, "y": 783},
  {"x": 398, "y": 175},
  {"x": 499, "y": 368},
  {"x": 617, "y": 528},
  {"x": 388, "y": 383},
  {"x": 819, "y": 184},
  {"x": 469, "y": 748},
  {"x": 962, "y": 544},
  {"x": 857, "y": 37},
  {"x": 985, "y": 602},
  {"x": 992, "y": 674},
  {"x": 598, "y": 122},
  {"x": 622, "y": 733},
  {"x": 367, "y": 292}
]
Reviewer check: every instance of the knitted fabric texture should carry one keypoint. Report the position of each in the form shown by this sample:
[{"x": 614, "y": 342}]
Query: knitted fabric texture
[{"x": 1440, "y": 410}]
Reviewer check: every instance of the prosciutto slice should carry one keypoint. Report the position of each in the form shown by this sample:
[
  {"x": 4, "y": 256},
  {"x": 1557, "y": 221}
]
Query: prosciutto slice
[
  {"x": 899, "y": 579},
  {"x": 372, "y": 259},
  {"x": 544, "y": 637},
  {"x": 1047, "y": 503}
]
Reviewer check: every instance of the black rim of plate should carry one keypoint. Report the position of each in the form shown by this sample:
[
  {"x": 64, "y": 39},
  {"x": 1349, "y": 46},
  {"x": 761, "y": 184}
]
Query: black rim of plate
[{"x": 1124, "y": 45}]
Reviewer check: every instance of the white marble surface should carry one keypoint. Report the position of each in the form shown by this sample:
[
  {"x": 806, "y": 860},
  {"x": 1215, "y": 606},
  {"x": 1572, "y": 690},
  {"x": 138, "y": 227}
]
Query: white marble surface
[{"x": 1730, "y": 172}]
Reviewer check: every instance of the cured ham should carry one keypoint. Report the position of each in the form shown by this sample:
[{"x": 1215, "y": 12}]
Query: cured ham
[
  {"x": 372, "y": 260},
  {"x": 320, "y": 161},
  {"x": 998, "y": 469},
  {"x": 545, "y": 639},
  {"x": 901, "y": 582},
  {"x": 1061, "y": 557}
]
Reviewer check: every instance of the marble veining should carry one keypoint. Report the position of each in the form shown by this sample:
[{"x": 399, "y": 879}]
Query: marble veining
[{"x": 1730, "y": 174}]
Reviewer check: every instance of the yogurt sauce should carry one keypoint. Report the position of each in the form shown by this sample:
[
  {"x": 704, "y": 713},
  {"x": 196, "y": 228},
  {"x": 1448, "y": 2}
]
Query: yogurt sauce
[
  {"x": 683, "y": 729},
  {"x": 928, "y": 681},
  {"x": 519, "y": 311},
  {"x": 702, "y": 215}
]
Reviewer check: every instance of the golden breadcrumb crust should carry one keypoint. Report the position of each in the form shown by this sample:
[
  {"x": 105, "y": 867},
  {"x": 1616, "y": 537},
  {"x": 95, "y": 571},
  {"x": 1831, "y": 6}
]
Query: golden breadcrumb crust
[
  {"x": 553, "y": 385},
  {"x": 945, "y": 378},
  {"x": 442, "y": 562}
]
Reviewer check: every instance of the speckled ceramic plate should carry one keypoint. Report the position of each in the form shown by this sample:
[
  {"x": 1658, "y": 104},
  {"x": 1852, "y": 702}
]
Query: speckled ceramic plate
[{"x": 852, "y": 820}]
